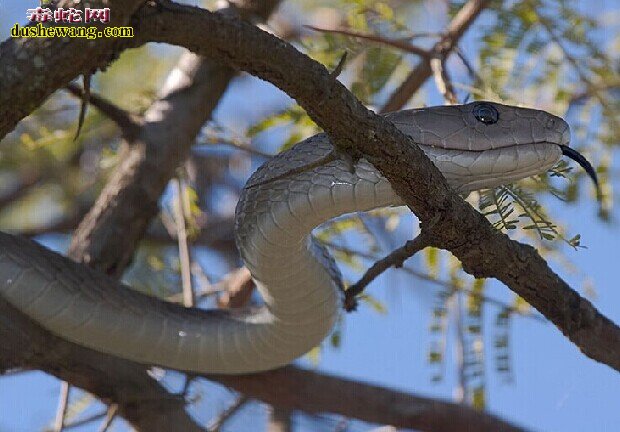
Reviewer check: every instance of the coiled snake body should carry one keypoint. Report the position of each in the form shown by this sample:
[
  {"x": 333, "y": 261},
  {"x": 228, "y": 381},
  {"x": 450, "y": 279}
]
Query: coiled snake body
[{"x": 477, "y": 145}]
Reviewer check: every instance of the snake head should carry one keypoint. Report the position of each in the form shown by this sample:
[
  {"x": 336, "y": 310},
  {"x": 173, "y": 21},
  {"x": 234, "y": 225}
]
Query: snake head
[
  {"x": 480, "y": 126},
  {"x": 496, "y": 143}
]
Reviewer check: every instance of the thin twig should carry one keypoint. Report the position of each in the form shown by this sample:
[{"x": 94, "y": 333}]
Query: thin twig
[
  {"x": 461, "y": 389},
  {"x": 401, "y": 44},
  {"x": 109, "y": 418},
  {"x": 395, "y": 259},
  {"x": 442, "y": 79},
  {"x": 86, "y": 79},
  {"x": 128, "y": 123},
  {"x": 442, "y": 283},
  {"x": 184, "y": 254},
  {"x": 85, "y": 420},
  {"x": 189, "y": 380},
  {"x": 419, "y": 35},
  {"x": 234, "y": 143},
  {"x": 61, "y": 411},
  {"x": 473, "y": 73},
  {"x": 340, "y": 66},
  {"x": 223, "y": 417}
]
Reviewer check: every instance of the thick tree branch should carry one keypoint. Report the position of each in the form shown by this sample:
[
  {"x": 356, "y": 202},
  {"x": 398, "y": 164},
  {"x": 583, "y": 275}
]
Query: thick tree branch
[
  {"x": 169, "y": 129},
  {"x": 141, "y": 400},
  {"x": 450, "y": 222},
  {"x": 314, "y": 392}
]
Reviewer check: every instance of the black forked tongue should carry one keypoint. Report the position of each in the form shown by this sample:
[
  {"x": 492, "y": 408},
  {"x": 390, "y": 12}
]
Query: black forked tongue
[{"x": 585, "y": 164}]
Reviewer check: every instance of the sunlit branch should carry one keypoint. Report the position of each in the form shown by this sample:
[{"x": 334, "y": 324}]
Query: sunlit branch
[
  {"x": 63, "y": 402},
  {"x": 442, "y": 79},
  {"x": 180, "y": 216}
]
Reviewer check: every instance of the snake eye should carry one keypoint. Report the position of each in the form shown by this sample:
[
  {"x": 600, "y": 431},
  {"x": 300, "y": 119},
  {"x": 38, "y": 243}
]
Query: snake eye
[{"x": 486, "y": 113}]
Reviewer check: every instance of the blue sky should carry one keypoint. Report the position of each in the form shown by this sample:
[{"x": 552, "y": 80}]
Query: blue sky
[{"x": 555, "y": 387}]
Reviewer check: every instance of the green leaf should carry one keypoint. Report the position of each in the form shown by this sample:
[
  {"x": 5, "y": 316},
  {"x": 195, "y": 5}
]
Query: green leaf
[{"x": 375, "y": 304}]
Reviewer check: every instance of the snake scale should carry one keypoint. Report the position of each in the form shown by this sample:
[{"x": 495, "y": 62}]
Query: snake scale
[{"x": 477, "y": 145}]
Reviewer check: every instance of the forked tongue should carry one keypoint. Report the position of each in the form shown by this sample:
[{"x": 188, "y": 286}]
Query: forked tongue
[{"x": 585, "y": 164}]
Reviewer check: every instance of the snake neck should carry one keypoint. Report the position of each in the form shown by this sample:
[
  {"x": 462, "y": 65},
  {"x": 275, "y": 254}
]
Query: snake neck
[{"x": 297, "y": 278}]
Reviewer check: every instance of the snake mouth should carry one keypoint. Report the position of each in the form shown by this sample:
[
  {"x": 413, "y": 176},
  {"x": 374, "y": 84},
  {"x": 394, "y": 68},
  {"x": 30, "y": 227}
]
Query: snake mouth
[{"x": 584, "y": 163}]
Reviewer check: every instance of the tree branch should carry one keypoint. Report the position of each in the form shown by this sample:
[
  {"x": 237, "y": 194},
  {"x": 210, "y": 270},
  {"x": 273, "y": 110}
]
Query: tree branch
[
  {"x": 448, "y": 285},
  {"x": 61, "y": 411},
  {"x": 455, "y": 30},
  {"x": 185, "y": 260},
  {"x": 128, "y": 123},
  {"x": 395, "y": 259},
  {"x": 314, "y": 392},
  {"x": 442, "y": 80},
  {"x": 217, "y": 423}
]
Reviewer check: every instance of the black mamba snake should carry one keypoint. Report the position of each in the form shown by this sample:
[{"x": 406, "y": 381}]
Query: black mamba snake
[{"x": 477, "y": 145}]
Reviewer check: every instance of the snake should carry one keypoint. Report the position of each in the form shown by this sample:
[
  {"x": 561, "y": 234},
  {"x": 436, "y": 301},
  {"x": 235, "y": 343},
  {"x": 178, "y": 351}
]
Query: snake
[{"x": 475, "y": 146}]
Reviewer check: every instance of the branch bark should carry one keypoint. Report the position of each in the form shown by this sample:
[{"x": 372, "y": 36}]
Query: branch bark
[{"x": 314, "y": 392}]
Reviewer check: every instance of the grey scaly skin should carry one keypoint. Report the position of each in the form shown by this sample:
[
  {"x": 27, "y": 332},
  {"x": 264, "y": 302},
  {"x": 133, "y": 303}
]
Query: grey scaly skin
[{"x": 475, "y": 146}]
